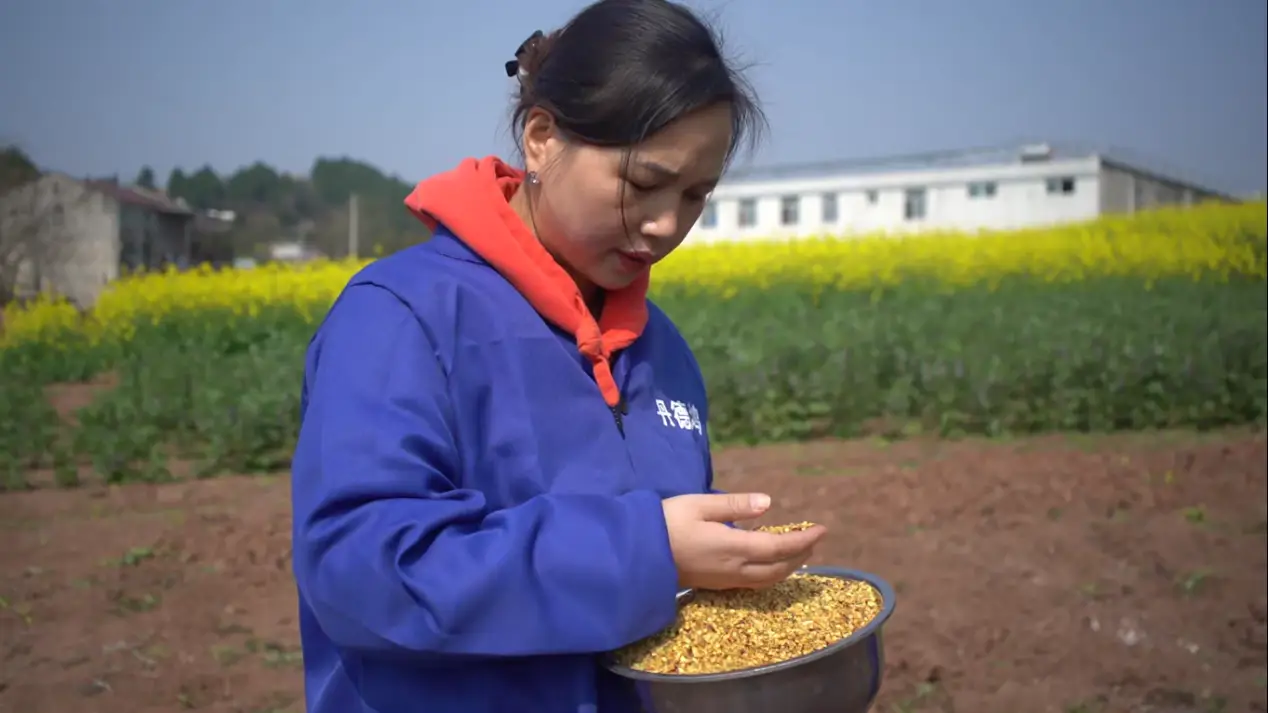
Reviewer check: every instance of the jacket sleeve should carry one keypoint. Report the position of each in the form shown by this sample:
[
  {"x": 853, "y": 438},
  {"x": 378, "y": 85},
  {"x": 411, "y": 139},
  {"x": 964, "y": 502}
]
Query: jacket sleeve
[
  {"x": 390, "y": 554},
  {"x": 704, "y": 417}
]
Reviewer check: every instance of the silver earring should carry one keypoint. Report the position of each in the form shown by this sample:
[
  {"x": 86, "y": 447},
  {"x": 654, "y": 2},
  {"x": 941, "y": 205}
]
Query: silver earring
[{"x": 532, "y": 178}]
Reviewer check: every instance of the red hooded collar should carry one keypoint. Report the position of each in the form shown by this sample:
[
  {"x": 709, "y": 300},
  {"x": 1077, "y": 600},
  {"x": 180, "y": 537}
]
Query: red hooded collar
[{"x": 472, "y": 201}]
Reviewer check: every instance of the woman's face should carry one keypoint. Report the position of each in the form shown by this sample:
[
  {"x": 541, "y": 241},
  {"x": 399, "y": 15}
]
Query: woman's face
[{"x": 576, "y": 208}]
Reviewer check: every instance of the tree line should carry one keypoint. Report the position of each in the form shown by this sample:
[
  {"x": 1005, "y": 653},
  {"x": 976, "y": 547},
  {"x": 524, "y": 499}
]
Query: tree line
[{"x": 271, "y": 206}]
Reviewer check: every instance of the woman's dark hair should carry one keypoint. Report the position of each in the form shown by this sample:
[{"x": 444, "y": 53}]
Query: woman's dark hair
[{"x": 621, "y": 70}]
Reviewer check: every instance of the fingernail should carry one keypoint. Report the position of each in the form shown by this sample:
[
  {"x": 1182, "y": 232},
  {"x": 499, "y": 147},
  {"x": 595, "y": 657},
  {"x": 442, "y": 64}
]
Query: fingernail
[{"x": 759, "y": 501}]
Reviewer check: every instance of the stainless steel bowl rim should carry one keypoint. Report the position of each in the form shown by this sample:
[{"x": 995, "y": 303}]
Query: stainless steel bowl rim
[{"x": 872, "y": 628}]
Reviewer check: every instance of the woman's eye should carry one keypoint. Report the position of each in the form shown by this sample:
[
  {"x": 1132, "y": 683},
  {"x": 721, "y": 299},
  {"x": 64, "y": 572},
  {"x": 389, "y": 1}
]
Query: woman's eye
[{"x": 639, "y": 187}]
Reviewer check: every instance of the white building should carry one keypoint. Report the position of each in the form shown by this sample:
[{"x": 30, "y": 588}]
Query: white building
[{"x": 990, "y": 189}]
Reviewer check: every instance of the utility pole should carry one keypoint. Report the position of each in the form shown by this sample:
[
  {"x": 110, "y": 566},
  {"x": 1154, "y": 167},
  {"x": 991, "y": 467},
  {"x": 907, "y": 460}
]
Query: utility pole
[{"x": 353, "y": 237}]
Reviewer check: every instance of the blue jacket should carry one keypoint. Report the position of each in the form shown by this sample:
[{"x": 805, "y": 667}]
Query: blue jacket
[{"x": 473, "y": 525}]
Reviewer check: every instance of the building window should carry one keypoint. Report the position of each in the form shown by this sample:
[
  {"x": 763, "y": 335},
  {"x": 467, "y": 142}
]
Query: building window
[
  {"x": 748, "y": 212},
  {"x": 788, "y": 210},
  {"x": 914, "y": 204},
  {"x": 1061, "y": 186},
  {"x": 871, "y": 197},
  {"x": 709, "y": 218},
  {"x": 982, "y": 189},
  {"x": 829, "y": 208}
]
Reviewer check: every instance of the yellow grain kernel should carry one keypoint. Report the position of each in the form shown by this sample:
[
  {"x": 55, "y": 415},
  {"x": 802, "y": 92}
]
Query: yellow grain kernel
[
  {"x": 719, "y": 631},
  {"x": 784, "y": 529}
]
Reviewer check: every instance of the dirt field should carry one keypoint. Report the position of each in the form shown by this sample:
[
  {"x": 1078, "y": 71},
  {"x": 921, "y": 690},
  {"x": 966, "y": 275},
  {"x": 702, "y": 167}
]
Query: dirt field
[{"x": 1062, "y": 574}]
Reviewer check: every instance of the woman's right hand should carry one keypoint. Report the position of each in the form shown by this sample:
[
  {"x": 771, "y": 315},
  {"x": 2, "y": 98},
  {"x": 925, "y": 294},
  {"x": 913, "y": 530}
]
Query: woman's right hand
[{"x": 711, "y": 555}]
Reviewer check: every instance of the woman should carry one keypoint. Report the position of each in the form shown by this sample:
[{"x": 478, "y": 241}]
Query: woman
[{"x": 503, "y": 469}]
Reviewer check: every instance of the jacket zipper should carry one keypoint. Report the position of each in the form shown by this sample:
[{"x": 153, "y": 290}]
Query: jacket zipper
[{"x": 620, "y": 410}]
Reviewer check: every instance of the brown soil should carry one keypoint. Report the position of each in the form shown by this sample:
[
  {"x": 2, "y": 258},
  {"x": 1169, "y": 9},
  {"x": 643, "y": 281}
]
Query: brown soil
[
  {"x": 68, "y": 398},
  {"x": 1062, "y": 574}
]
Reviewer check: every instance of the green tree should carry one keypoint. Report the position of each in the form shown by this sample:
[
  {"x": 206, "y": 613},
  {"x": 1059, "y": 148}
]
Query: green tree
[
  {"x": 145, "y": 178},
  {"x": 16, "y": 168}
]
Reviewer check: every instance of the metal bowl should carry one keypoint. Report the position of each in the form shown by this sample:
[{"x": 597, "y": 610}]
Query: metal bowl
[{"x": 842, "y": 678}]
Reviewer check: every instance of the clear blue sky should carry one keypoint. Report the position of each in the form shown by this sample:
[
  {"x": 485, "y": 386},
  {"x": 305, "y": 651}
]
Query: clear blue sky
[{"x": 105, "y": 86}]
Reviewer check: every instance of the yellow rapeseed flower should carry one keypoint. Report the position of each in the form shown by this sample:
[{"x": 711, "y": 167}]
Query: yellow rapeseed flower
[{"x": 1205, "y": 242}]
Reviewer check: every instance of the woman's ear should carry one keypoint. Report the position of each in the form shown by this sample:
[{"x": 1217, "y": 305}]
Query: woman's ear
[{"x": 542, "y": 142}]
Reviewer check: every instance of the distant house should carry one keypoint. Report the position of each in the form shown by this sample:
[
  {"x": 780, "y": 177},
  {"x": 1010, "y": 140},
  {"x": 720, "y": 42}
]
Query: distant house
[
  {"x": 293, "y": 251},
  {"x": 997, "y": 188},
  {"x": 72, "y": 237}
]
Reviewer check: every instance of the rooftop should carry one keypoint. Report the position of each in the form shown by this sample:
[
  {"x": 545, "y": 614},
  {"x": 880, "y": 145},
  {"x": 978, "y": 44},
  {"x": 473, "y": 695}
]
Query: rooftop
[
  {"x": 1012, "y": 153},
  {"x": 152, "y": 199}
]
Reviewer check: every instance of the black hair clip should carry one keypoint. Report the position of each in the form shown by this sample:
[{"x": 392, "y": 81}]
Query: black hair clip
[{"x": 513, "y": 66}]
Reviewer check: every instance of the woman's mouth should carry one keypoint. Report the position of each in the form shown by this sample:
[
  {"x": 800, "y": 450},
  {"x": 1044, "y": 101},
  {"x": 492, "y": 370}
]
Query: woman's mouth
[{"x": 635, "y": 262}]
